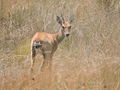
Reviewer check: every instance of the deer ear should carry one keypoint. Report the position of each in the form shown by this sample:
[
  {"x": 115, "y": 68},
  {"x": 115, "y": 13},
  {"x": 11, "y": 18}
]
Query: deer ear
[
  {"x": 59, "y": 20},
  {"x": 71, "y": 19}
]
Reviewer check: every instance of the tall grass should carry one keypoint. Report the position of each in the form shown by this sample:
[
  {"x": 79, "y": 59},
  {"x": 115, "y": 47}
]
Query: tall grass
[{"x": 93, "y": 45}]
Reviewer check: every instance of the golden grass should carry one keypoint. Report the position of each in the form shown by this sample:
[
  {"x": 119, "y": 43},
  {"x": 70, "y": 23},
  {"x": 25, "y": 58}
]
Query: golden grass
[
  {"x": 23, "y": 49},
  {"x": 87, "y": 60}
]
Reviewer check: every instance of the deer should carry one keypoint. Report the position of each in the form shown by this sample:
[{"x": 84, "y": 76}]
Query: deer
[{"x": 48, "y": 43}]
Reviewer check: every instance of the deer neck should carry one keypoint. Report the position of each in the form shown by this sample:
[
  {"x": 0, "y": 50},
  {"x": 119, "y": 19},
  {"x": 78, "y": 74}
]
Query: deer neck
[{"x": 60, "y": 36}]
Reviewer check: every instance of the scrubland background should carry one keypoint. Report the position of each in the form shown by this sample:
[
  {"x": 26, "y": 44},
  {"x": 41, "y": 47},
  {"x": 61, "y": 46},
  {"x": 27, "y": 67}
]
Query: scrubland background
[{"x": 88, "y": 60}]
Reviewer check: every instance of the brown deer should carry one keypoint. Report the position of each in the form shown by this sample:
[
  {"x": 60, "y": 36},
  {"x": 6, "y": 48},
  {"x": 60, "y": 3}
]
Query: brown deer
[{"x": 48, "y": 43}]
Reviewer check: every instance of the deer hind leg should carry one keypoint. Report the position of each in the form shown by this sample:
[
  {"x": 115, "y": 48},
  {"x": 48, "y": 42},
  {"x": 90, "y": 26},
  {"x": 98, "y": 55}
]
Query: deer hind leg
[
  {"x": 35, "y": 45},
  {"x": 33, "y": 54}
]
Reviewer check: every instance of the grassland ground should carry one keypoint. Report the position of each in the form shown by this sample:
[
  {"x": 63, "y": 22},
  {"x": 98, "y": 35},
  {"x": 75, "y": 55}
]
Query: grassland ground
[{"x": 68, "y": 73}]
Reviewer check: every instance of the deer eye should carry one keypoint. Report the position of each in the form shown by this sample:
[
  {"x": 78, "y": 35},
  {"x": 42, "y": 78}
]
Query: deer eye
[
  {"x": 63, "y": 27},
  {"x": 69, "y": 27}
]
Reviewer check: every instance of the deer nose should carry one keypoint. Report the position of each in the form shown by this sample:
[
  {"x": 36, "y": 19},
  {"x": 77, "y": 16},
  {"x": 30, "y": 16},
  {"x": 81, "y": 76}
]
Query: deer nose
[{"x": 67, "y": 35}]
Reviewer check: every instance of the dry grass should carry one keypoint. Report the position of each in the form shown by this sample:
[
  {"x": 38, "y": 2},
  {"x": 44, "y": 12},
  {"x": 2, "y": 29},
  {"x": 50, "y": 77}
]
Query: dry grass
[{"x": 88, "y": 60}]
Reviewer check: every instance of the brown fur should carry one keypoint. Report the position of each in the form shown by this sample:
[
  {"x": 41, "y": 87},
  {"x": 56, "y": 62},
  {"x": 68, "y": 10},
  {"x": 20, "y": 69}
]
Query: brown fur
[{"x": 49, "y": 43}]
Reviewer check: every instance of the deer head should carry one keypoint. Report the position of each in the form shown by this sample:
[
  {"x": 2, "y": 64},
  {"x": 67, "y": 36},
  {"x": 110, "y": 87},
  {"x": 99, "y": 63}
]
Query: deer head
[{"x": 66, "y": 25}]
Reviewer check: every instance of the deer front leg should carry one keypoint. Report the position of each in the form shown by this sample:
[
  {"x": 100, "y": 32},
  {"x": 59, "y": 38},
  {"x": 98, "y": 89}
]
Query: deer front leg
[{"x": 47, "y": 63}]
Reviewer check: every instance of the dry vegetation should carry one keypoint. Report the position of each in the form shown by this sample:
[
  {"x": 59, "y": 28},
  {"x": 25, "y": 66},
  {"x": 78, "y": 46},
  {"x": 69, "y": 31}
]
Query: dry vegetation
[{"x": 88, "y": 60}]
